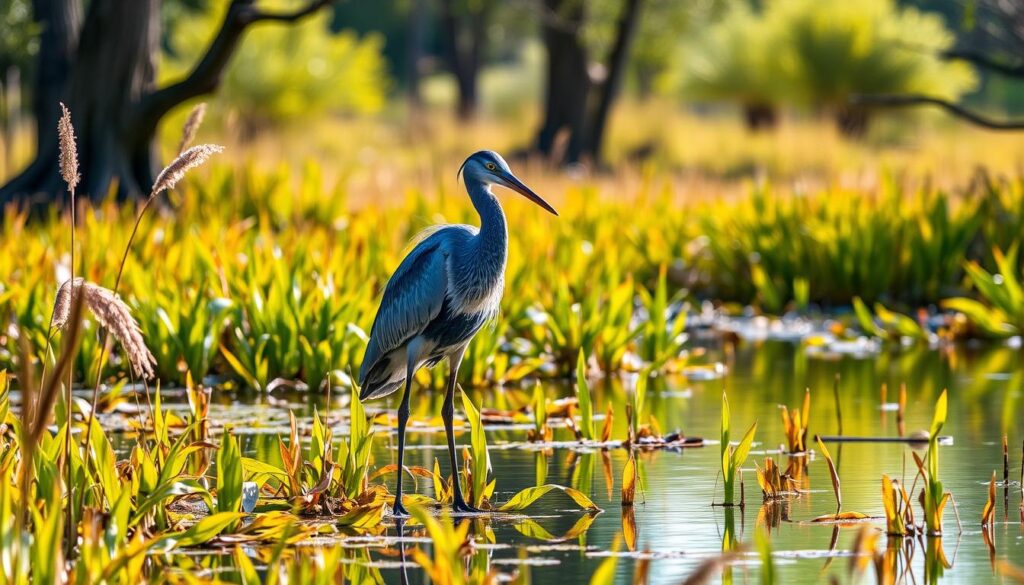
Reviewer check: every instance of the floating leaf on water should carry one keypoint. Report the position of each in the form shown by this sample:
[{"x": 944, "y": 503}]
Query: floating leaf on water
[
  {"x": 528, "y": 496},
  {"x": 841, "y": 517}
]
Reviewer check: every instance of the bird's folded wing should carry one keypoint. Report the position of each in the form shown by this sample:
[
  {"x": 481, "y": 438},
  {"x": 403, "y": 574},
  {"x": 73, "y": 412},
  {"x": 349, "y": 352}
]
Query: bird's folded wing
[{"x": 412, "y": 299}]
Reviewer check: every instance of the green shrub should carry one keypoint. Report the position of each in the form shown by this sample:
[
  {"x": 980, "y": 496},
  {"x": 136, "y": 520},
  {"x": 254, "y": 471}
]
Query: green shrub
[
  {"x": 820, "y": 53},
  {"x": 287, "y": 73}
]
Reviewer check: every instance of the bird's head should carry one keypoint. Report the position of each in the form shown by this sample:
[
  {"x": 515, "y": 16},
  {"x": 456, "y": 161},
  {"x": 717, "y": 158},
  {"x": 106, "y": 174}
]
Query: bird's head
[{"x": 488, "y": 167}]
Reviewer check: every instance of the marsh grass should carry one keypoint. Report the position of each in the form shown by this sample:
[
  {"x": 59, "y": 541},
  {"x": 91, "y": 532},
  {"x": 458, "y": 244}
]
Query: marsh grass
[
  {"x": 230, "y": 310},
  {"x": 795, "y": 424},
  {"x": 733, "y": 457},
  {"x": 899, "y": 512},
  {"x": 839, "y": 515},
  {"x": 933, "y": 496},
  {"x": 775, "y": 484}
]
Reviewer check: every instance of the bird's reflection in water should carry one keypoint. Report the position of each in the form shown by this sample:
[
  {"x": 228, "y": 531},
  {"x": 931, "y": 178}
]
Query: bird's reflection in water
[{"x": 400, "y": 532}]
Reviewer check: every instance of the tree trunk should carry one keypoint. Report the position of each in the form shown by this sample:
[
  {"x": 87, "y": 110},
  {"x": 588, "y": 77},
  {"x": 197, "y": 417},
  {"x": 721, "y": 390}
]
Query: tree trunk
[
  {"x": 568, "y": 82},
  {"x": 625, "y": 31},
  {"x": 59, "y": 21},
  {"x": 110, "y": 91},
  {"x": 852, "y": 120},
  {"x": 760, "y": 116},
  {"x": 113, "y": 69},
  {"x": 414, "y": 47},
  {"x": 465, "y": 46}
]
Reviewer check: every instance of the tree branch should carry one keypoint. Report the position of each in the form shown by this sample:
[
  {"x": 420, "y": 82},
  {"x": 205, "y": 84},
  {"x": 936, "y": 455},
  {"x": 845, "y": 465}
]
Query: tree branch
[
  {"x": 208, "y": 72},
  {"x": 256, "y": 15},
  {"x": 986, "y": 61},
  {"x": 903, "y": 100}
]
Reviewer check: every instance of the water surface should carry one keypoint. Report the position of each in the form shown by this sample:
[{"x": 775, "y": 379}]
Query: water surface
[{"x": 677, "y": 526}]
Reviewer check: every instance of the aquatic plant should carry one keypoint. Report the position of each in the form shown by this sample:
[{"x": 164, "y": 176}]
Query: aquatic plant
[
  {"x": 229, "y": 477},
  {"x": 988, "y": 513},
  {"x": 899, "y": 513},
  {"x": 840, "y": 515},
  {"x": 933, "y": 496},
  {"x": 477, "y": 459},
  {"x": 450, "y": 543},
  {"x": 795, "y": 424},
  {"x": 661, "y": 341},
  {"x": 733, "y": 457},
  {"x": 541, "y": 431},
  {"x": 774, "y": 483},
  {"x": 629, "y": 480},
  {"x": 763, "y": 544},
  {"x": 477, "y": 467},
  {"x": 886, "y": 324},
  {"x": 1002, "y": 313},
  {"x": 354, "y": 451},
  {"x": 586, "y": 426},
  {"x": 287, "y": 284}
]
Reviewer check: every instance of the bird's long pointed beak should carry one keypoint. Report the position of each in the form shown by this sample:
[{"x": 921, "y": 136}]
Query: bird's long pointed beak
[{"x": 516, "y": 185}]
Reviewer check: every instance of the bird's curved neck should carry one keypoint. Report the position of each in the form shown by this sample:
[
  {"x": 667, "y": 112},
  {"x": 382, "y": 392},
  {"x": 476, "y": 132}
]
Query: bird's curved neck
[{"x": 493, "y": 230}]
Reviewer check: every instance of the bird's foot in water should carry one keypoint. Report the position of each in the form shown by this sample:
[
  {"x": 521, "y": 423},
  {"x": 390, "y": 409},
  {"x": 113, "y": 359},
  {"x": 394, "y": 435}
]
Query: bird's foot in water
[
  {"x": 398, "y": 510},
  {"x": 461, "y": 507}
]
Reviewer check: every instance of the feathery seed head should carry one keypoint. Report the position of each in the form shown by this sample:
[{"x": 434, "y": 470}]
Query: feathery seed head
[
  {"x": 188, "y": 132},
  {"x": 111, "y": 313},
  {"x": 68, "y": 151},
  {"x": 187, "y": 160}
]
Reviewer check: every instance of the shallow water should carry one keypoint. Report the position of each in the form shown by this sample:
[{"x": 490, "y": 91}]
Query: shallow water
[{"x": 676, "y": 524}]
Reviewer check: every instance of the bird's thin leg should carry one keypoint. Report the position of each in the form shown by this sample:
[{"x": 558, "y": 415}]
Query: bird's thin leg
[
  {"x": 448, "y": 415},
  {"x": 403, "y": 417}
]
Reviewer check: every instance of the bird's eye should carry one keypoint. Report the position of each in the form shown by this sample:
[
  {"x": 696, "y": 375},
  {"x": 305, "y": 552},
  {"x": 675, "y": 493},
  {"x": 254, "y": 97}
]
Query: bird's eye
[{"x": 490, "y": 166}]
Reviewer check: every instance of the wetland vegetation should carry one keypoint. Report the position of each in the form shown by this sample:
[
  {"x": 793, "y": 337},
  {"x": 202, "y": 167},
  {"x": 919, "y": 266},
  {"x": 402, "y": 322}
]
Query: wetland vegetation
[{"x": 785, "y": 355}]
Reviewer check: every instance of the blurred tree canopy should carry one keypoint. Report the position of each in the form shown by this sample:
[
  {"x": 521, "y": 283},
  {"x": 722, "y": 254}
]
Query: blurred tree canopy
[
  {"x": 287, "y": 74},
  {"x": 822, "y": 53},
  {"x": 137, "y": 60}
]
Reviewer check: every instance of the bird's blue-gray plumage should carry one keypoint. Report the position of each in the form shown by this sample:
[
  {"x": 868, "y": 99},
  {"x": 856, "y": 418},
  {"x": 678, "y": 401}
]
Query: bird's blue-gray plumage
[
  {"x": 439, "y": 297},
  {"x": 442, "y": 293}
]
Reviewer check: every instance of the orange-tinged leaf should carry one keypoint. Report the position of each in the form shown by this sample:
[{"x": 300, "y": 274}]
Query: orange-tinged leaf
[
  {"x": 629, "y": 477},
  {"x": 528, "y": 496},
  {"x": 841, "y": 517},
  {"x": 606, "y": 430},
  {"x": 833, "y": 474},
  {"x": 988, "y": 513},
  {"x": 629, "y": 532}
]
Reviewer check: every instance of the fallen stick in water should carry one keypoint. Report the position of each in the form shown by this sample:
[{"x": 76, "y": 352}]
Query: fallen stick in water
[{"x": 916, "y": 438}]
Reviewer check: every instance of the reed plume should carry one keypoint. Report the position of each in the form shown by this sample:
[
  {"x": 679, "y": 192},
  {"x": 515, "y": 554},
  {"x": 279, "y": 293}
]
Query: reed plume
[
  {"x": 187, "y": 160},
  {"x": 188, "y": 132},
  {"x": 68, "y": 150},
  {"x": 112, "y": 314}
]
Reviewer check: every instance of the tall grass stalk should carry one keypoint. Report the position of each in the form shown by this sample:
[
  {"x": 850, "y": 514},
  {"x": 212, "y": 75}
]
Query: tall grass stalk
[{"x": 69, "y": 172}]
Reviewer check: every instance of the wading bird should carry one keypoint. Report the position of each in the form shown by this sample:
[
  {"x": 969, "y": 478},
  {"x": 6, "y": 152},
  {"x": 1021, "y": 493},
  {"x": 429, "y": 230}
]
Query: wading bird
[{"x": 439, "y": 297}]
